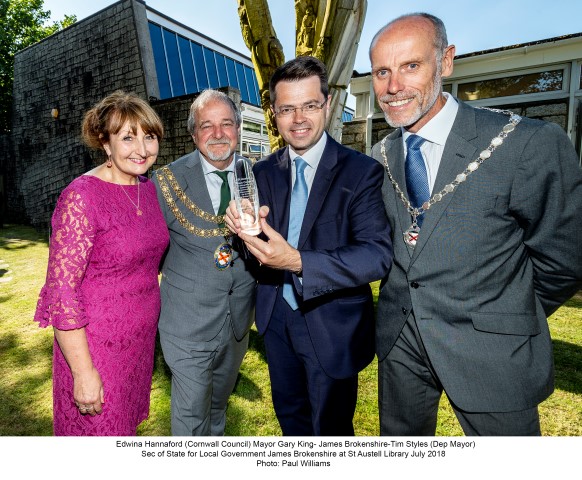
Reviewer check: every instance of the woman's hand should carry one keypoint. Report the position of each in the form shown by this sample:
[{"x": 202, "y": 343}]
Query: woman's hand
[
  {"x": 88, "y": 392},
  {"x": 87, "y": 386}
]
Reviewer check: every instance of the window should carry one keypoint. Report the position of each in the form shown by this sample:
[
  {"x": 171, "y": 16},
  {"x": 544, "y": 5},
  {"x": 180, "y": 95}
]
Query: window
[
  {"x": 160, "y": 61},
  {"x": 221, "y": 67},
  {"x": 242, "y": 84},
  {"x": 253, "y": 86},
  {"x": 548, "y": 81},
  {"x": 211, "y": 67},
  {"x": 187, "y": 65},
  {"x": 251, "y": 126},
  {"x": 184, "y": 66},
  {"x": 233, "y": 81},
  {"x": 254, "y": 148},
  {"x": 174, "y": 66},
  {"x": 199, "y": 66},
  {"x": 347, "y": 116}
]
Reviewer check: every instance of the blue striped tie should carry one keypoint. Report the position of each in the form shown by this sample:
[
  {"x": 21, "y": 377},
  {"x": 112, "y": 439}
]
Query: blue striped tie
[
  {"x": 416, "y": 177},
  {"x": 296, "y": 211}
]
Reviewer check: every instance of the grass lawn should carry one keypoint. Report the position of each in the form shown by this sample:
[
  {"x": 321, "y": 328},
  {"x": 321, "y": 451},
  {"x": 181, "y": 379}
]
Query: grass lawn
[{"x": 25, "y": 365}]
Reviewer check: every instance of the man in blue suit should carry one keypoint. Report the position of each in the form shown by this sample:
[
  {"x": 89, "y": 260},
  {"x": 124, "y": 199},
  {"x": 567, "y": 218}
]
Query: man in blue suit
[{"x": 325, "y": 237}]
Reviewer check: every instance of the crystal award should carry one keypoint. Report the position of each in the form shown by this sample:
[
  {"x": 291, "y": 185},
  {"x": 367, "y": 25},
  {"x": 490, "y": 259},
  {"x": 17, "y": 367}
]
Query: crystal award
[{"x": 246, "y": 196}]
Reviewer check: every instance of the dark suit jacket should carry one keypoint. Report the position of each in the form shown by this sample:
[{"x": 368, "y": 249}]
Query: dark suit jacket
[
  {"x": 344, "y": 245},
  {"x": 493, "y": 260}
]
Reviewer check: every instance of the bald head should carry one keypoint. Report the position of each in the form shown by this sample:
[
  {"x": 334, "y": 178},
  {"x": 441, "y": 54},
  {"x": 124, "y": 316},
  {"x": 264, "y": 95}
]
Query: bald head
[
  {"x": 409, "y": 58},
  {"x": 412, "y": 21}
]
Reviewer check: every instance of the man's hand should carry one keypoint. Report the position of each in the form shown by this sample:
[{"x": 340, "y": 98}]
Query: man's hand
[
  {"x": 274, "y": 253},
  {"x": 232, "y": 217}
]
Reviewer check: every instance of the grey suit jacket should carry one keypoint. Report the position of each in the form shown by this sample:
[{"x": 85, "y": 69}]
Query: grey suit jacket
[
  {"x": 493, "y": 260},
  {"x": 197, "y": 298}
]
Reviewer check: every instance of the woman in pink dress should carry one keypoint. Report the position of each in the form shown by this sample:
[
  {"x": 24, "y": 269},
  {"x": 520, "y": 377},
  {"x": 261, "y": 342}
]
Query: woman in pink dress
[{"x": 101, "y": 294}]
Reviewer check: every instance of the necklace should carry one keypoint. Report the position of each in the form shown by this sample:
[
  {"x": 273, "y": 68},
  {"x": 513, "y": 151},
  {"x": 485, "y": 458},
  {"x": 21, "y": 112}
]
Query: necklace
[
  {"x": 223, "y": 255},
  {"x": 165, "y": 177},
  {"x": 411, "y": 234},
  {"x": 137, "y": 209}
]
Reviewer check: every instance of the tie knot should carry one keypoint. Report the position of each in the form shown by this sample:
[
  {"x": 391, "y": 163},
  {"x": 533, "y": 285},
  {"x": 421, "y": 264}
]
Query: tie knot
[
  {"x": 300, "y": 165},
  {"x": 414, "y": 142},
  {"x": 223, "y": 174}
]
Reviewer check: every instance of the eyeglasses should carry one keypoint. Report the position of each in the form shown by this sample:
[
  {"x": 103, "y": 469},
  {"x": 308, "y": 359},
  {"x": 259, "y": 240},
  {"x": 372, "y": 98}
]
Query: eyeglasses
[{"x": 309, "y": 109}]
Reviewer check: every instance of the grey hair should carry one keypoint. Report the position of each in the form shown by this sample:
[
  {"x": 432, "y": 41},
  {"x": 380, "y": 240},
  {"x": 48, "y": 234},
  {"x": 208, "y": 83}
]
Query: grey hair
[
  {"x": 440, "y": 38},
  {"x": 205, "y": 97}
]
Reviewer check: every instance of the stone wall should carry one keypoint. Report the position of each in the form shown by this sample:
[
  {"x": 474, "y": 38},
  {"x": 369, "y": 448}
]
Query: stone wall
[
  {"x": 68, "y": 72},
  {"x": 354, "y": 133},
  {"x": 5, "y": 159}
]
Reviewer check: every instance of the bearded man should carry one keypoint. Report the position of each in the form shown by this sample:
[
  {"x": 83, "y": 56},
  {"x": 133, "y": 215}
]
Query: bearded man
[{"x": 207, "y": 289}]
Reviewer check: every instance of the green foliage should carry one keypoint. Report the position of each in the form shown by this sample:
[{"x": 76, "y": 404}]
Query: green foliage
[{"x": 24, "y": 22}]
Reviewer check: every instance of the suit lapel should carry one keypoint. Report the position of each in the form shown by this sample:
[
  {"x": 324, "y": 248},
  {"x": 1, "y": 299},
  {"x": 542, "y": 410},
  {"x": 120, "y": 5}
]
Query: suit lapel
[
  {"x": 395, "y": 156},
  {"x": 194, "y": 183},
  {"x": 321, "y": 183},
  {"x": 458, "y": 153},
  {"x": 281, "y": 192}
]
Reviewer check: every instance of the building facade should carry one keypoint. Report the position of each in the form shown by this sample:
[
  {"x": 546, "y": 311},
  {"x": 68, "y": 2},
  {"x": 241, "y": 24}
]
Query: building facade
[
  {"x": 126, "y": 46},
  {"x": 539, "y": 79}
]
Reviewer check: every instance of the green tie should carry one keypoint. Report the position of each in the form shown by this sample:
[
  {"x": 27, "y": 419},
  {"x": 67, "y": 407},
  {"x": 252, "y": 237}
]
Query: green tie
[{"x": 224, "y": 193}]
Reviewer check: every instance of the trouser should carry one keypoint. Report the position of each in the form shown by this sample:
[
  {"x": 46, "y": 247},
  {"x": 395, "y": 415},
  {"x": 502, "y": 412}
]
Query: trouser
[
  {"x": 203, "y": 377},
  {"x": 409, "y": 394},
  {"x": 307, "y": 401}
]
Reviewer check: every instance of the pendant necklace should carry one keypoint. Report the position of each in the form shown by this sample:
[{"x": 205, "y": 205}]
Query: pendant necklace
[
  {"x": 411, "y": 233},
  {"x": 137, "y": 209},
  {"x": 223, "y": 255}
]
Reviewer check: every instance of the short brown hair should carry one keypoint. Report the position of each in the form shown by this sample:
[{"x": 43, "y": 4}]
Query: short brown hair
[
  {"x": 298, "y": 69},
  {"x": 110, "y": 114}
]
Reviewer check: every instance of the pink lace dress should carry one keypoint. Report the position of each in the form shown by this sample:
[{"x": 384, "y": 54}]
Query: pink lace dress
[{"x": 102, "y": 275}]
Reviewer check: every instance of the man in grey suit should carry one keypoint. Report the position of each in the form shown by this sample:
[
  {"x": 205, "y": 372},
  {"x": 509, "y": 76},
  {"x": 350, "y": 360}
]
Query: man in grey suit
[
  {"x": 486, "y": 210},
  {"x": 207, "y": 289}
]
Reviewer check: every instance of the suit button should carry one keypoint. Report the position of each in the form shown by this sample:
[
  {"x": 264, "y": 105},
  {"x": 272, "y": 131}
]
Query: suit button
[
  {"x": 230, "y": 292},
  {"x": 414, "y": 284},
  {"x": 404, "y": 311}
]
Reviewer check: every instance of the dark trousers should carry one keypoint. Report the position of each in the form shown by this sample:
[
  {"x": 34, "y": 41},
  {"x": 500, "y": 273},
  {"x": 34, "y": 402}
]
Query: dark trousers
[
  {"x": 409, "y": 394},
  {"x": 307, "y": 401}
]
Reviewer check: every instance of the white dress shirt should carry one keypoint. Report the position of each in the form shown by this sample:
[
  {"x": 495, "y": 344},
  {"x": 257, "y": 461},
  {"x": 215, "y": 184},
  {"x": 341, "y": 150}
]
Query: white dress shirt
[
  {"x": 214, "y": 182},
  {"x": 312, "y": 158},
  {"x": 435, "y": 132}
]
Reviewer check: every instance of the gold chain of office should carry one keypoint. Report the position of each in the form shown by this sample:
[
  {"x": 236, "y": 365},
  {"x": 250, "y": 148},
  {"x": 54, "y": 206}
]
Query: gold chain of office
[{"x": 165, "y": 177}]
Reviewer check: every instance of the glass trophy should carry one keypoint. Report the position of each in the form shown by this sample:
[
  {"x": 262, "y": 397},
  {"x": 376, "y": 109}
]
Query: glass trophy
[{"x": 246, "y": 196}]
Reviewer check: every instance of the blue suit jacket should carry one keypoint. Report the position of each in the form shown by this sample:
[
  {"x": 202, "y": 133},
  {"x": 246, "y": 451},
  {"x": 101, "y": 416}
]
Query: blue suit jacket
[{"x": 344, "y": 244}]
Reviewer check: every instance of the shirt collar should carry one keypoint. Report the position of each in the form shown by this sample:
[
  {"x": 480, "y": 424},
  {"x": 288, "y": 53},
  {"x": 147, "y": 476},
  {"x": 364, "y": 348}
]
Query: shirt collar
[
  {"x": 438, "y": 128},
  {"x": 207, "y": 167},
  {"x": 313, "y": 155}
]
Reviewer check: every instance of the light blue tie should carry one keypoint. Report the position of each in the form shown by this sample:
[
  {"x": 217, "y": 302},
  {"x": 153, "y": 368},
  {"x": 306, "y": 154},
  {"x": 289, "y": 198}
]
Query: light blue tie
[
  {"x": 416, "y": 177},
  {"x": 296, "y": 211}
]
